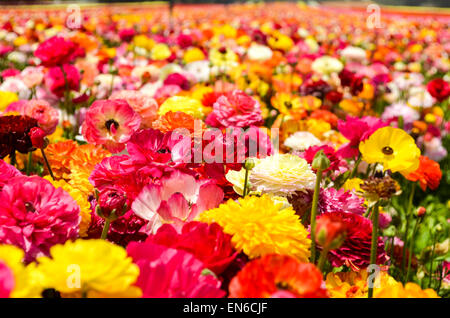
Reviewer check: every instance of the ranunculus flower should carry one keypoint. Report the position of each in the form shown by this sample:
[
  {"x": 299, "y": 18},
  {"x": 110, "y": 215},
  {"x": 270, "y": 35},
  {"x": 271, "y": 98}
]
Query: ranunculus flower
[
  {"x": 110, "y": 123},
  {"x": 55, "y": 51},
  {"x": 46, "y": 115},
  {"x": 207, "y": 242},
  {"x": 54, "y": 79},
  {"x": 112, "y": 199},
  {"x": 439, "y": 89},
  {"x": 37, "y": 136}
]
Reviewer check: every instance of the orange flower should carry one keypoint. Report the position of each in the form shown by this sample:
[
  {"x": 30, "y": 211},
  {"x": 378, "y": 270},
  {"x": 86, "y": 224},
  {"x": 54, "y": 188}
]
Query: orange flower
[
  {"x": 325, "y": 115},
  {"x": 58, "y": 155},
  {"x": 428, "y": 174},
  {"x": 173, "y": 120},
  {"x": 276, "y": 275}
]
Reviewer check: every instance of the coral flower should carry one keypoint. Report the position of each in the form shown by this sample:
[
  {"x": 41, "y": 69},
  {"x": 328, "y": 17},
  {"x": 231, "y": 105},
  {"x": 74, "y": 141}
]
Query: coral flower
[
  {"x": 170, "y": 273},
  {"x": 143, "y": 104},
  {"x": 235, "y": 109},
  {"x": 178, "y": 199},
  {"x": 47, "y": 116},
  {"x": 428, "y": 174},
  {"x": 267, "y": 276},
  {"x": 207, "y": 242},
  {"x": 261, "y": 226},
  {"x": 111, "y": 123},
  {"x": 392, "y": 147},
  {"x": 35, "y": 216},
  {"x": 104, "y": 270}
]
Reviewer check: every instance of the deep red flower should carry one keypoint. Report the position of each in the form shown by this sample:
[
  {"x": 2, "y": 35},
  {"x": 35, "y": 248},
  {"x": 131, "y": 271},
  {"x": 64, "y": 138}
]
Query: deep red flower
[
  {"x": 357, "y": 85},
  {"x": 355, "y": 251},
  {"x": 270, "y": 274},
  {"x": 14, "y": 134},
  {"x": 56, "y": 51},
  {"x": 207, "y": 242},
  {"x": 318, "y": 88},
  {"x": 346, "y": 77},
  {"x": 334, "y": 96},
  {"x": 111, "y": 199},
  {"x": 439, "y": 89}
]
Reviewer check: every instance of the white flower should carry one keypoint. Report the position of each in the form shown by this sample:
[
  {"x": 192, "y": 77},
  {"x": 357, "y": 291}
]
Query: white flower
[
  {"x": 17, "y": 57},
  {"x": 16, "y": 85},
  {"x": 258, "y": 52},
  {"x": 354, "y": 54},
  {"x": 104, "y": 84},
  {"x": 200, "y": 70},
  {"x": 301, "y": 140},
  {"x": 419, "y": 97},
  {"x": 282, "y": 174},
  {"x": 400, "y": 109},
  {"x": 326, "y": 65}
]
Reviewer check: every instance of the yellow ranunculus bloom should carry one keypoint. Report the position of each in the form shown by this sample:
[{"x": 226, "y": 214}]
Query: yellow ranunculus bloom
[
  {"x": 183, "y": 104},
  {"x": 90, "y": 268},
  {"x": 160, "y": 52},
  {"x": 7, "y": 98},
  {"x": 395, "y": 149},
  {"x": 193, "y": 54}
]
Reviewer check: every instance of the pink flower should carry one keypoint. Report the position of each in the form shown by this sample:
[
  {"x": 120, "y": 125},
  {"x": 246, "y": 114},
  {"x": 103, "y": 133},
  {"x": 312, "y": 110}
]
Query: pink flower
[
  {"x": 207, "y": 242},
  {"x": 7, "y": 173},
  {"x": 56, "y": 51},
  {"x": 235, "y": 109},
  {"x": 178, "y": 199},
  {"x": 110, "y": 123},
  {"x": 54, "y": 79},
  {"x": 170, "y": 273},
  {"x": 32, "y": 76},
  {"x": 10, "y": 72},
  {"x": 167, "y": 91},
  {"x": 356, "y": 130},
  {"x": 35, "y": 216},
  {"x": 177, "y": 79},
  {"x": 143, "y": 104},
  {"x": 6, "y": 280}
]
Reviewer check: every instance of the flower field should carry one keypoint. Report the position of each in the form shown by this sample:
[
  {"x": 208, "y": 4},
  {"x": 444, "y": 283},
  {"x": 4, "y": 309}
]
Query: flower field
[{"x": 240, "y": 151}]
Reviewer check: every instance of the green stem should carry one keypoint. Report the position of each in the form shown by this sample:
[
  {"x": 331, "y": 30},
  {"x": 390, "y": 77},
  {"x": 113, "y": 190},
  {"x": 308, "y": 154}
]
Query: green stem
[
  {"x": 431, "y": 261},
  {"x": 12, "y": 157},
  {"x": 313, "y": 215},
  {"x": 374, "y": 245},
  {"x": 355, "y": 168},
  {"x": 408, "y": 217},
  {"x": 322, "y": 259},
  {"x": 66, "y": 92},
  {"x": 47, "y": 164},
  {"x": 244, "y": 193},
  {"x": 105, "y": 229},
  {"x": 29, "y": 163}
]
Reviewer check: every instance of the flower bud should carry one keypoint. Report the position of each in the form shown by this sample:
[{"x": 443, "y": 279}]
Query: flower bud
[
  {"x": 37, "y": 136},
  {"x": 249, "y": 164},
  {"x": 320, "y": 161},
  {"x": 330, "y": 231},
  {"x": 111, "y": 204},
  {"x": 421, "y": 211}
]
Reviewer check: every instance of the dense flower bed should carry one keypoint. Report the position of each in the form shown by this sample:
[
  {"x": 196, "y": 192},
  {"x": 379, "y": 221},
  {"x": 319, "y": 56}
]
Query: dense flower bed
[{"x": 225, "y": 151}]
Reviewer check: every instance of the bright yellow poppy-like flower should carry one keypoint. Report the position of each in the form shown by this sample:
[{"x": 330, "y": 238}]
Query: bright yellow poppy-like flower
[
  {"x": 223, "y": 58},
  {"x": 7, "y": 98},
  {"x": 143, "y": 41},
  {"x": 190, "y": 106},
  {"x": 89, "y": 268},
  {"x": 280, "y": 41},
  {"x": 25, "y": 283},
  {"x": 282, "y": 174},
  {"x": 395, "y": 149},
  {"x": 260, "y": 226}
]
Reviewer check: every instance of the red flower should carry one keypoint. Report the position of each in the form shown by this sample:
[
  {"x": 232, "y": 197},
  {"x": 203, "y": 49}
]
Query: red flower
[
  {"x": 111, "y": 199},
  {"x": 14, "y": 134},
  {"x": 357, "y": 85},
  {"x": 54, "y": 79},
  {"x": 177, "y": 79},
  {"x": 346, "y": 77},
  {"x": 439, "y": 89},
  {"x": 270, "y": 274},
  {"x": 428, "y": 174},
  {"x": 310, "y": 153},
  {"x": 56, "y": 51},
  {"x": 206, "y": 242},
  {"x": 330, "y": 231},
  {"x": 37, "y": 136},
  {"x": 355, "y": 251},
  {"x": 334, "y": 96}
]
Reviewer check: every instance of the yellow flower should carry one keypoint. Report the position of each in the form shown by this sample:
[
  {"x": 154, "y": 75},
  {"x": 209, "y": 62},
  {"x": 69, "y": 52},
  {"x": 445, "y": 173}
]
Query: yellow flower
[
  {"x": 91, "y": 268},
  {"x": 80, "y": 198},
  {"x": 282, "y": 174},
  {"x": 280, "y": 41},
  {"x": 160, "y": 52},
  {"x": 237, "y": 179},
  {"x": 183, "y": 104},
  {"x": 392, "y": 147},
  {"x": 226, "y": 58},
  {"x": 410, "y": 290},
  {"x": 143, "y": 41},
  {"x": 353, "y": 184},
  {"x": 25, "y": 282},
  {"x": 7, "y": 98},
  {"x": 260, "y": 226},
  {"x": 20, "y": 40},
  {"x": 354, "y": 284},
  {"x": 318, "y": 127},
  {"x": 353, "y": 107},
  {"x": 193, "y": 54}
]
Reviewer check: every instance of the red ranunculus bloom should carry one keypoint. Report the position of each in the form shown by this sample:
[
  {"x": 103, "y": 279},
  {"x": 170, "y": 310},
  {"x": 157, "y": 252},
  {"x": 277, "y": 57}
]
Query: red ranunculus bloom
[
  {"x": 56, "y": 51},
  {"x": 439, "y": 89},
  {"x": 54, "y": 79}
]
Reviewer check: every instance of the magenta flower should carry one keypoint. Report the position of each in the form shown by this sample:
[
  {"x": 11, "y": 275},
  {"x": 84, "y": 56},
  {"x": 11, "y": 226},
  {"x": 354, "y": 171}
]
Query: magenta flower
[
  {"x": 56, "y": 51},
  {"x": 170, "y": 273},
  {"x": 176, "y": 200},
  {"x": 6, "y": 280},
  {"x": 235, "y": 109},
  {"x": 35, "y": 216},
  {"x": 7, "y": 173},
  {"x": 54, "y": 79},
  {"x": 110, "y": 123},
  {"x": 356, "y": 130}
]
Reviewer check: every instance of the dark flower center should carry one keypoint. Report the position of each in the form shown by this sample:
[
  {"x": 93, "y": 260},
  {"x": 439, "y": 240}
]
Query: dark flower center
[
  {"x": 387, "y": 150},
  {"x": 288, "y": 104},
  {"x": 29, "y": 207},
  {"x": 111, "y": 122}
]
